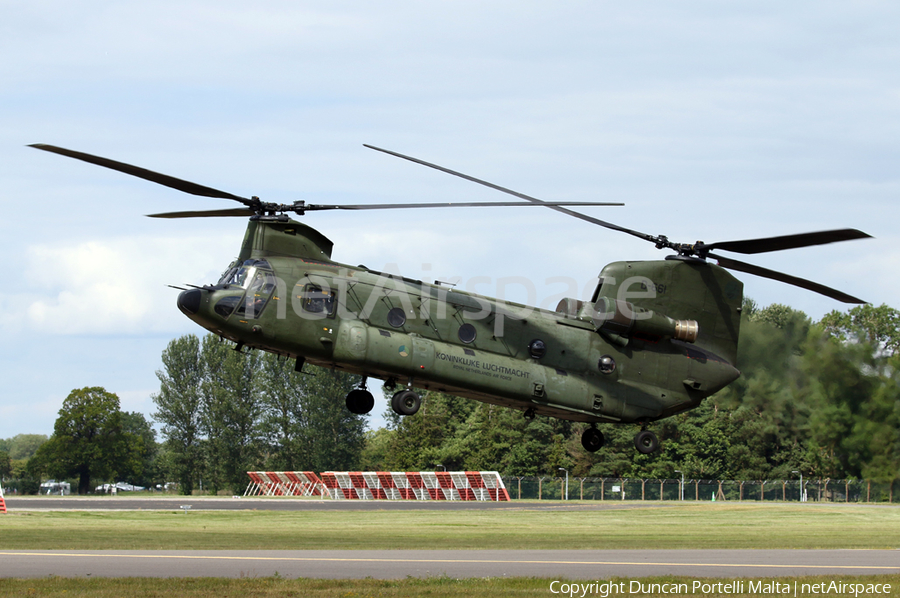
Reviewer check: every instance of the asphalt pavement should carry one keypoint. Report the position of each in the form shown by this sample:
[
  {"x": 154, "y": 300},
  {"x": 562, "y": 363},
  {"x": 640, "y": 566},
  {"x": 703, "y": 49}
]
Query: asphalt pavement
[
  {"x": 397, "y": 564},
  {"x": 161, "y": 503}
]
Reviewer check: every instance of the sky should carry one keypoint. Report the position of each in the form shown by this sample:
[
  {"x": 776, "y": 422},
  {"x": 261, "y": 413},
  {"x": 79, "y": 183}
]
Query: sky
[{"x": 710, "y": 120}]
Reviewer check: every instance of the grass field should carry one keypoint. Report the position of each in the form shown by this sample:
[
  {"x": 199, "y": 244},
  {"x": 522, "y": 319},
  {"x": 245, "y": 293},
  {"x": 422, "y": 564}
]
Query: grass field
[
  {"x": 719, "y": 525},
  {"x": 436, "y": 587}
]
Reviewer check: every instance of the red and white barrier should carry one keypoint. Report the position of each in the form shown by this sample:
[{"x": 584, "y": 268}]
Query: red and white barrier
[
  {"x": 283, "y": 483},
  {"x": 420, "y": 485}
]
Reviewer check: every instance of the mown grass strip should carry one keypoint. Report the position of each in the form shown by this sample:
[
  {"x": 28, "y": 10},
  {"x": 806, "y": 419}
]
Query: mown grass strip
[
  {"x": 436, "y": 587},
  {"x": 687, "y": 526}
]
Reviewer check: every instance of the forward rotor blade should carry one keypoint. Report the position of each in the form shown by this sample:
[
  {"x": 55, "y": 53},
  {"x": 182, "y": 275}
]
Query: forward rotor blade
[
  {"x": 782, "y": 277},
  {"x": 788, "y": 241},
  {"x": 143, "y": 173},
  {"x": 534, "y": 200},
  {"x": 481, "y": 204},
  {"x": 204, "y": 213}
]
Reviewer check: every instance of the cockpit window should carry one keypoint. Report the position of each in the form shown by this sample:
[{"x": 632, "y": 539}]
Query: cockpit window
[
  {"x": 596, "y": 294},
  {"x": 258, "y": 293},
  {"x": 317, "y": 301},
  {"x": 242, "y": 274},
  {"x": 226, "y": 305}
]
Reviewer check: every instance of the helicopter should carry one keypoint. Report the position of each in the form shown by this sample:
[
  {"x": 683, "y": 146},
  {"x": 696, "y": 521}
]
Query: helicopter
[{"x": 654, "y": 339}]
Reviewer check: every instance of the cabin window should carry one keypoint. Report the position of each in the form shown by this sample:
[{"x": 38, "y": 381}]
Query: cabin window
[
  {"x": 467, "y": 333},
  {"x": 396, "y": 317},
  {"x": 317, "y": 301},
  {"x": 537, "y": 348}
]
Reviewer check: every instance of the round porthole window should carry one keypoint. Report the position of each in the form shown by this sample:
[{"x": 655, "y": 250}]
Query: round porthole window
[
  {"x": 537, "y": 348},
  {"x": 467, "y": 333},
  {"x": 607, "y": 364},
  {"x": 396, "y": 317}
]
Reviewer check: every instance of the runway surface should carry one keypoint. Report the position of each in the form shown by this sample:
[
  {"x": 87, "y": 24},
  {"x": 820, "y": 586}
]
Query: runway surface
[
  {"x": 104, "y": 503},
  {"x": 396, "y": 564}
]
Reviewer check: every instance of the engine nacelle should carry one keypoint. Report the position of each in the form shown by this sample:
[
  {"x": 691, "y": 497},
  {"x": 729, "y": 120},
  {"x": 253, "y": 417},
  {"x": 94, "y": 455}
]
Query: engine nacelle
[{"x": 624, "y": 319}]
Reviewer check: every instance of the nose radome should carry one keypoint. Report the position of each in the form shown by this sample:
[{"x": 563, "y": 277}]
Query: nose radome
[{"x": 189, "y": 301}]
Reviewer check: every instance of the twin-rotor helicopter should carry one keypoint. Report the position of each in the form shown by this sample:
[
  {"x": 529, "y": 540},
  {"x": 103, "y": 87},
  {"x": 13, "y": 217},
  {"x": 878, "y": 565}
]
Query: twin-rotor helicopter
[{"x": 654, "y": 339}]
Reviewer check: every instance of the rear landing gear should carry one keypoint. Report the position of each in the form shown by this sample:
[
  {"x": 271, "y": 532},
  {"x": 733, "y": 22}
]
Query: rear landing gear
[
  {"x": 646, "y": 442},
  {"x": 529, "y": 413},
  {"x": 406, "y": 402},
  {"x": 592, "y": 440}
]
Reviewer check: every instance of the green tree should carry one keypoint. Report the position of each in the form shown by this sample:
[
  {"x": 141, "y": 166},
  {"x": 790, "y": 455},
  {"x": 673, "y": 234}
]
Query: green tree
[
  {"x": 88, "y": 440},
  {"x": 861, "y": 422},
  {"x": 376, "y": 450},
  {"x": 333, "y": 437},
  {"x": 501, "y": 439},
  {"x": 840, "y": 381},
  {"x": 231, "y": 414},
  {"x": 143, "y": 450},
  {"x": 879, "y": 326},
  {"x": 283, "y": 396},
  {"x": 26, "y": 475},
  {"x": 768, "y": 424},
  {"x": 305, "y": 418},
  {"x": 178, "y": 409},
  {"x": 417, "y": 439},
  {"x": 5, "y": 465},
  {"x": 23, "y": 446},
  {"x": 879, "y": 429}
]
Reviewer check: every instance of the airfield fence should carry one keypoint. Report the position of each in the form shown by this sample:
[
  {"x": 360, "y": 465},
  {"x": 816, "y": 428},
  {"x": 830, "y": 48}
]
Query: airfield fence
[{"x": 826, "y": 490}]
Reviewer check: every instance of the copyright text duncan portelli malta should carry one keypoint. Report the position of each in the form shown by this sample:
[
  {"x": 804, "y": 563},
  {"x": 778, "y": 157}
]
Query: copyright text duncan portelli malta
[{"x": 762, "y": 587}]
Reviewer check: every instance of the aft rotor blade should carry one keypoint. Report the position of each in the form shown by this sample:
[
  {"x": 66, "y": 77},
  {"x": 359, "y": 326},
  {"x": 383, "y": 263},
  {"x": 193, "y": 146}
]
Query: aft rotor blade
[
  {"x": 143, "y": 173},
  {"x": 535, "y": 200},
  {"x": 204, "y": 213},
  {"x": 788, "y": 241},
  {"x": 782, "y": 277},
  {"x": 480, "y": 204}
]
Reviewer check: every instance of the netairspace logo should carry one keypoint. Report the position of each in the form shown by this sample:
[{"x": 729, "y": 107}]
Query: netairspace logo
[{"x": 761, "y": 587}]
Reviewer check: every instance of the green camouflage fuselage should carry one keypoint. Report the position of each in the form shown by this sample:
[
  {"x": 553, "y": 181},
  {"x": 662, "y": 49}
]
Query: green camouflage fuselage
[{"x": 615, "y": 358}]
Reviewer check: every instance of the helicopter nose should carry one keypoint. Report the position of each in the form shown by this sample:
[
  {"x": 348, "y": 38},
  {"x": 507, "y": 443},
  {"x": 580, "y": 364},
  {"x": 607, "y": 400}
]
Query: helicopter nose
[{"x": 189, "y": 301}]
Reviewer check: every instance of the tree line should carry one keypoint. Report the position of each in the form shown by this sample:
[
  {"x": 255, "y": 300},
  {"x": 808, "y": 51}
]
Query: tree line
[
  {"x": 821, "y": 398},
  {"x": 92, "y": 438},
  {"x": 224, "y": 413},
  {"x": 817, "y": 398}
]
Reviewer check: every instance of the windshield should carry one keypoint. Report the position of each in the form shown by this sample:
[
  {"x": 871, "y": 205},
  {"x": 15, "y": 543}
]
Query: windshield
[
  {"x": 243, "y": 274},
  {"x": 257, "y": 278},
  {"x": 258, "y": 294}
]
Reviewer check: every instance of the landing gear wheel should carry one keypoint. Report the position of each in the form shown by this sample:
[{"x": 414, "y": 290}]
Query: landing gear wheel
[
  {"x": 646, "y": 442},
  {"x": 406, "y": 402},
  {"x": 360, "y": 401},
  {"x": 529, "y": 413},
  {"x": 592, "y": 440}
]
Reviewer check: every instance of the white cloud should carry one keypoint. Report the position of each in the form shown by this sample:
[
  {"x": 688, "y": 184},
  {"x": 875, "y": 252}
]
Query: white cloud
[{"x": 116, "y": 285}]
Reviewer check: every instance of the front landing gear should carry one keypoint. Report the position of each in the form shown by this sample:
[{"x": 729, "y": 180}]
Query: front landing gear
[
  {"x": 406, "y": 402},
  {"x": 592, "y": 440},
  {"x": 359, "y": 400},
  {"x": 646, "y": 442}
]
